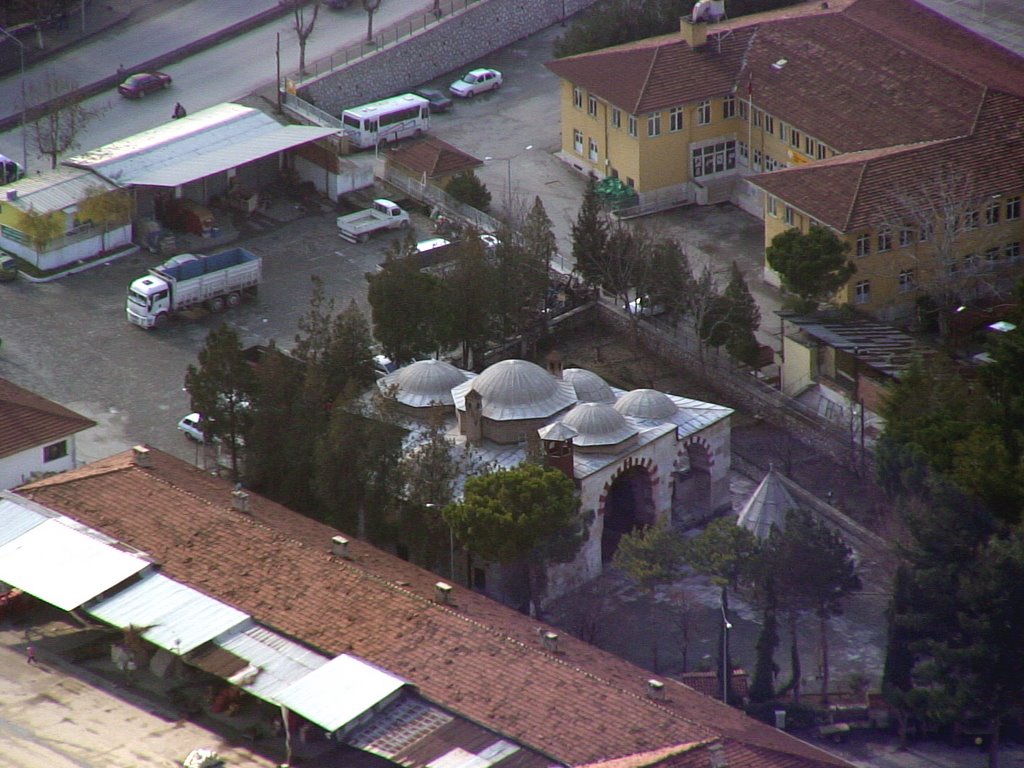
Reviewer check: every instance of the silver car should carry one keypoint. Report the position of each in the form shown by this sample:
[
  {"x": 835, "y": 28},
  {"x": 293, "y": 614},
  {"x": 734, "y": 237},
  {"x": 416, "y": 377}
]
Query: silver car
[{"x": 476, "y": 81}]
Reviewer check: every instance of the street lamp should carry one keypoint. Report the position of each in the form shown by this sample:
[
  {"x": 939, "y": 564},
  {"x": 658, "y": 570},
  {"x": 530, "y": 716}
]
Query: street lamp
[
  {"x": 508, "y": 175},
  {"x": 24, "y": 142},
  {"x": 726, "y": 626}
]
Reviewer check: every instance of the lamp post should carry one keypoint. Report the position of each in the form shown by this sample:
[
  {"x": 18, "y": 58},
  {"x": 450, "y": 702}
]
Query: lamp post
[
  {"x": 24, "y": 141},
  {"x": 726, "y": 626},
  {"x": 508, "y": 174}
]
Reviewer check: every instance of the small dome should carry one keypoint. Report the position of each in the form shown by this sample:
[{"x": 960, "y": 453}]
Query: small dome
[
  {"x": 646, "y": 404},
  {"x": 598, "y": 424},
  {"x": 517, "y": 389},
  {"x": 590, "y": 388},
  {"x": 424, "y": 383}
]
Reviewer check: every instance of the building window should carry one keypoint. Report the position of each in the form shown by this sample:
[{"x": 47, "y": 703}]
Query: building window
[
  {"x": 773, "y": 206},
  {"x": 55, "y": 451},
  {"x": 822, "y": 149},
  {"x": 577, "y": 141},
  {"x": 654, "y": 124},
  {"x": 924, "y": 234},
  {"x": 743, "y": 110},
  {"x": 992, "y": 214},
  {"x": 758, "y": 118},
  {"x": 770, "y": 163},
  {"x": 713, "y": 158},
  {"x": 863, "y": 245},
  {"x": 729, "y": 107},
  {"x": 769, "y": 124},
  {"x": 757, "y": 159},
  {"x": 1012, "y": 252},
  {"x": 952, "y": 268},
  {"x": 593, "y": 149},
  {"x": 591, "y": 106},
  {"x": 788, "y": 216},
  {"x": 884, "y": 240},
  {"x": 631, "y": 126},
  {"x": 577, "y": 98},
  {"x": 971, "y": 262},
  {"x": 906, "y": 280},
  {"x": 704, "y": 113},
  {"x": 675, "y": 119},
  {"x": 992, "y": 256},
  {"x": 616, "y": 118},
  {"x": 615, "y": 173},
  {"x": 630, "y": 183},
  {"x": 794, "y": 138},
  {"x": 1013, "y": 208},
  {"x": 809, "y": 146},
  {"x": 744, "y": 153},
  {"x": 906, "y": 236},
  {"x": 862, "y": 292},
  {"x": 971, "y": 220}
]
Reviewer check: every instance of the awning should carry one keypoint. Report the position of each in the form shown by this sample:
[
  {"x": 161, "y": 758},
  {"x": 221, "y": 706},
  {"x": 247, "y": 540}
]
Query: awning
[
  {"x": 339, "y": 692},
  {"x": 179, "y": 618},
  {"x": 66, "y": 566}
]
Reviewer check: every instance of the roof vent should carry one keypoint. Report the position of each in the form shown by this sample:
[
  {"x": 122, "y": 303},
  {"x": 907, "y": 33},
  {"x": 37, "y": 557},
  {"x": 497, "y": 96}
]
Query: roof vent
[
  {"x": 12, "y": 194},
  {"x": 550, "y": 640},
  {"x": 240, "y": 500},
  {"x": 443, "y": 593},
  {"x": 339, "y": 547},
  {"x": 140, "y": 454},
  {"x": 778, "y": 65},
  {"x": 656, "y": 689}
]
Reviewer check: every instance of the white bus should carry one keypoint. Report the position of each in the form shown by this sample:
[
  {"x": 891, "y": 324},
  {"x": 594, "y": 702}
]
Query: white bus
[{"x": 387, "y": 120}]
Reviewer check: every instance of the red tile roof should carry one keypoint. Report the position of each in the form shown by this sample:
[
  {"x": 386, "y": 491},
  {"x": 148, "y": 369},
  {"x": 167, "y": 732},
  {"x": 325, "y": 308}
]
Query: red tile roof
[
  {"x": 30, "y": 421},
  {"x": 476, "y": 658},
  {"x": 855, "y": 191},
  {"x": 432, "y": 156}
]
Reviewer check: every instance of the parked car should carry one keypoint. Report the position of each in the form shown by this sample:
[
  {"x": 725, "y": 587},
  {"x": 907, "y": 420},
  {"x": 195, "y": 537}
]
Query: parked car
[
  {"x": 192, "y": 426},
  {"x": 476, "y": 81},
  {"x": 138, "y": 85},
  {"x": 438, "y": 101}
]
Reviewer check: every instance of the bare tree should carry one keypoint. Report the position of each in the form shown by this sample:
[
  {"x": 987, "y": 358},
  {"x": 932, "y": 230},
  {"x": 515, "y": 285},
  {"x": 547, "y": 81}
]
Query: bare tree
[
  {"x": 370, "y": 6},
  {"x": 106, "y": 208},
  {"x": 303, "y": 30},
  {"x": 64, "y": 115}
]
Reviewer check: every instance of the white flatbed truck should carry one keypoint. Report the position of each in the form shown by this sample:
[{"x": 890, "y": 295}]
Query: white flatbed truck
[
  {"x": 384, "y": 214},
  {"x": 217, "y": 281}
]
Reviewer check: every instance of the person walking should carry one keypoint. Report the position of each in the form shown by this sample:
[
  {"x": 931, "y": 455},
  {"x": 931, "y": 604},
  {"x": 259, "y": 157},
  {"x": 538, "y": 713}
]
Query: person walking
[{"x": 30, "y": 655}]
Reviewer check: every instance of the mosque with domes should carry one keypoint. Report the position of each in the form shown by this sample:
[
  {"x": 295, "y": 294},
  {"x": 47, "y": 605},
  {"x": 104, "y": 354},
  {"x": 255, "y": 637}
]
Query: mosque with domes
[{"x": 636, "y": 457}]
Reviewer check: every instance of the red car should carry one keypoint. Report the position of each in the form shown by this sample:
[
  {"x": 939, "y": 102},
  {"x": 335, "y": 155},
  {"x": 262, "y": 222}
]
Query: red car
[{"x": 137, "y": 86}]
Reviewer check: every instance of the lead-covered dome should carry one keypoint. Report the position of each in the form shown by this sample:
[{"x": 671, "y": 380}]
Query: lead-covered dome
[
  {"x": 517, "y": 389},
  {"x": 423, "y": 383},
  {"x": 590, "y": 388},
  {"x": 598, "y": 424},
  {"x": 647, "y": 404}
]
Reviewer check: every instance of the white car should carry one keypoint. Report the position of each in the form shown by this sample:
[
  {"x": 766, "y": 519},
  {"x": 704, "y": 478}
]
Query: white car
[
  {"x": 476, "y": 81},
  {"x": 192, "y": 426}
]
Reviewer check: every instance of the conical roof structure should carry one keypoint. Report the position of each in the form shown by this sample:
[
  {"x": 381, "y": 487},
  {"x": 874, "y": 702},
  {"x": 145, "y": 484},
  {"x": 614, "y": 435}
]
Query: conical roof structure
[{"x": 767, "y": 507}]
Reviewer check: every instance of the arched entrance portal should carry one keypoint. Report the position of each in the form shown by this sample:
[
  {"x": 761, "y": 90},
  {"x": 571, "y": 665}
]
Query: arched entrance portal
[{"x": 628, "y": 504}]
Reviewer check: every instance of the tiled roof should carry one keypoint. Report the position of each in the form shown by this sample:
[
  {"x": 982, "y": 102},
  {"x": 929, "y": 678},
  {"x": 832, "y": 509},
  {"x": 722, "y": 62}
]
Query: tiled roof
[
  {"x": 432, "y": 156},
  {"x": 30, "y": 421},
  {"x": 853, "y": 191},
  {"x": 476, "y": 658},
  {"x": 876, "y": 73}
]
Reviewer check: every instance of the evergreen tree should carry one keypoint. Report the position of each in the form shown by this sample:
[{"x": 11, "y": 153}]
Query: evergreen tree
[
  {"x": 590, "y": 235},
  {"x": 468, "y": 189},
  {"x": 812, "y": 265},
  {"x": 404, "y": 304}
]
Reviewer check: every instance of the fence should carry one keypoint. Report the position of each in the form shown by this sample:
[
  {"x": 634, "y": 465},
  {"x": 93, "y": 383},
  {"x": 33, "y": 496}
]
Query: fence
[
  {"x": 309, "y": 112},
  {"x": 438, "y": 198}
]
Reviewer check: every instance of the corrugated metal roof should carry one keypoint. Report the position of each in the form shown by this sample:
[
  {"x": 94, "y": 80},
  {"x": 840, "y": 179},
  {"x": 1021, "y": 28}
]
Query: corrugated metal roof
[
  {"x": 340, "y": 691},
  {"x": 17, "y": 517},
  {"x": 206, "y": 142},
  {"x": 56, "y": 189},
  {"x": 280, "y": 662},
  {"x": 179, "y": 618},
  {"x": 65, "y": 566}
]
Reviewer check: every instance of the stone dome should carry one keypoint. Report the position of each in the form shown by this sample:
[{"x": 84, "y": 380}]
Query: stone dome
[
  {"x": 590, "y": 388},
  {"x": 646, "y": 404},
  {"x": 598, "y": 424},
  {"x": 424, "y": 383},
  {"x": 517, "y": 389}
]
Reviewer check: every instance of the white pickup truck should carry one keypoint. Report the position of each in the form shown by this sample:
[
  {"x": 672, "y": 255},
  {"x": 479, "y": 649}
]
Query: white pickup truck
[{"x": 357, "y": 227}]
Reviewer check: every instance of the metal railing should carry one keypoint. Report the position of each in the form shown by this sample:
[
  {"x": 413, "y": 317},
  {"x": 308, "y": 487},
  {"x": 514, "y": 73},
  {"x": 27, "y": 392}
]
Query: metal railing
[
  {"x": 310, "y": 112},
  {"x": 438, "y": 198}
]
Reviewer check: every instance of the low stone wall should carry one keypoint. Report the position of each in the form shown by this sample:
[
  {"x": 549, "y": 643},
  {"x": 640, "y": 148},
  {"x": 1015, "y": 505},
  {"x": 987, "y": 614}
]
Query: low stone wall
[{"x": 459, "y": 39}]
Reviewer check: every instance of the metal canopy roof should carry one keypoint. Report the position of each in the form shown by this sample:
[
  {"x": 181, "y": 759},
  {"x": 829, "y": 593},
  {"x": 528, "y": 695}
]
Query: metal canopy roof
[
  {"x": 339, "y": 692},
  {"x": 179, "y": 618},
  {"x": 17, "y": 517},
  {"x": 204, "y": 143},
  {"x": 66, "y": 566}
]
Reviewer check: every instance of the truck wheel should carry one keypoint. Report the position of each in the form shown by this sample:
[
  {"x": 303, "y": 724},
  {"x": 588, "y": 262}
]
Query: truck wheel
[
  {"x": 161, "y": 320},
  {"x": 217, "y": 304},
  {"x": 234, "y": 299}
]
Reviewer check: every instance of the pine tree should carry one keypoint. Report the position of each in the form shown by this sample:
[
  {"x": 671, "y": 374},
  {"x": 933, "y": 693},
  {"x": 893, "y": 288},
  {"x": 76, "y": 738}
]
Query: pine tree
[{"x": 590, "y": 236}]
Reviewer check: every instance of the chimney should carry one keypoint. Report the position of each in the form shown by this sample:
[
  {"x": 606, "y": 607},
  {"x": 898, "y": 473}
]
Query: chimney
[
  {"x": 550, "y": 640},
  {"x": 339, "y": 548},
  {"x": 695, "y": 33},
  {"x": 12, "y": 194},
  {"x": 472, "y": 420},
  {"x": 656, "y": 690},
  {"x": 443, "y": 593},
  {"x": 140, "y": 455},
  {"x": 240, "y": 500}
]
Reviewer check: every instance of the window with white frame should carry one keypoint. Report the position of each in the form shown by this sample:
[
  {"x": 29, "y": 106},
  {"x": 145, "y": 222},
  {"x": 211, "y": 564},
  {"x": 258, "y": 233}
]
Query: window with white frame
[
  {"x": 757, "y": 159},
  {"x": 971, "y": 220},
  {"x": 770, "y": 163},
  {"x": 992, "y": 256},
  {"x": 992, "y": 213},
  {"x": 631, "y": 126},
  {"x": 822, "y": 150},
  {"x": 704, "y": 113},
  {"x": 591, "y": 106},
  {"x": 906, "y": 236},
  {"x": 769, "y": 124},
  {"x": 862, "y": 292},
  {"x": 55, "y": 451},
  {"x": 907, "y": 280},
  {"x": 809, "y": 145},
  {"x": 616, "y": 118},
  {"x": 592, "y": 149},
  {"x": 788, "y": 216},
  {"x": 1012, "y": 252},
  {"x": 758, "y": 118},
  {"x": 717, "y": 157},
  {"x": 863, "y": 245},
  {"x": 729, "y": 107},
  {"x": 782, "y": 130},
  {"x": 884, "y": 240},
  {"x": 794, "y": 138},
  {"x": 654, "y": 124},
  {"x": 773, "y": 206},
  {"x": 1013, "y": 208},
  {"x": 577, "y": 141},
  {"x": 744, "y": 153},
  {"x": 675, "y": 119},
  {"x": 924, "y": 233},
  {"x": 743, "y": 110},
  {"x": 577, "y": 98}
]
